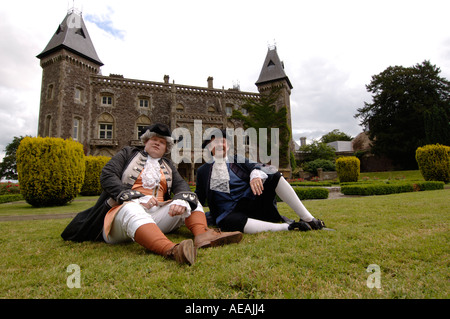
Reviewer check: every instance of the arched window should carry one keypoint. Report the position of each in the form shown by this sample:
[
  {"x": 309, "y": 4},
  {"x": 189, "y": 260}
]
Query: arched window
[
  {"x": 211, "y": 110},
  {"x": 180, "y": 107},
  {"x": 141, "y": 123},
  {"x": 105, "y": 126},
  {"x": 50, "y": 92}
]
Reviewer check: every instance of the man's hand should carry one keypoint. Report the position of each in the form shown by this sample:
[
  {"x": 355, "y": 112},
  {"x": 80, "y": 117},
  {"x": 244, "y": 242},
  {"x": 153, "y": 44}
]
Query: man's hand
[
  {"x": 151, "y": 203},
  {"x": 175, "y": 210},
  {"x": 256, "y": 185}
]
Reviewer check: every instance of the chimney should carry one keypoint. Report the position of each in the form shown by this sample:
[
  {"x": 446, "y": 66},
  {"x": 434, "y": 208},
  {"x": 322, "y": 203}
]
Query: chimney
[
  {"x": 302, "y": 141},
  {"x": 210, "y": 82},
  {"x": 166, "y": 79}
]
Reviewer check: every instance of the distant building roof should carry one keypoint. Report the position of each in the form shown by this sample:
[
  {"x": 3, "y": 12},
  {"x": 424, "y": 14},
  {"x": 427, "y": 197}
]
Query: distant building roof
[
  {"x": 72, "y": 35},
  {"x": 273, "y": 69},
  {"x": 341, "y": 146}
]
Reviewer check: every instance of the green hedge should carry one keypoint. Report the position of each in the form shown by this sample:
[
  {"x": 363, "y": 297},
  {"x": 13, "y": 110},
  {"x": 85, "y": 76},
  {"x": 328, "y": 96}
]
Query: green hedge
[
  {"x": 311, "y": 193},
  {"x": 380, "y": 188},
  {"x": 51, "y": 170},
  {"x": 314, "y": 184},
  {"x": 10, "y": 198}
]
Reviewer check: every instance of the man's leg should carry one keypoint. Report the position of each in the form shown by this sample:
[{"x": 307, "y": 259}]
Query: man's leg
[
  {"x": 133, "y": 222},
  {"x": 287, "y": 194},
  {"x": 253, "y": 226},
  {"x": 207, "y": 237}
]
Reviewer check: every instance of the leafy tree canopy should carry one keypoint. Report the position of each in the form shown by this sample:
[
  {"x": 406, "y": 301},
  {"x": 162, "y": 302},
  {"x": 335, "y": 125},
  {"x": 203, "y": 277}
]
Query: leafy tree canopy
[
  {"x": 410, "y": 107},
  {"x": 317, "y": 150},
  {"x": 335, "y": 135},
  {"x": 262, "y": 113},
  {"x": 8, "y": 168}
]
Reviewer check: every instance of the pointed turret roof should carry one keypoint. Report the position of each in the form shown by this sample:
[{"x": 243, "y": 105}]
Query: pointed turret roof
[
  {"x": 72, "y": 35},
  {"x": 273, "y": 69}
]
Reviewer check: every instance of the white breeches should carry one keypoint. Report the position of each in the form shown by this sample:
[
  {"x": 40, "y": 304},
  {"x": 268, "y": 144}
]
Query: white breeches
[{"x": 133, "y": 215}]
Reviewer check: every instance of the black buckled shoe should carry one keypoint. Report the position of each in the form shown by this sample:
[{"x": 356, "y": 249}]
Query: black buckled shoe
[
  {"x": 300, "y": 225},
  {"x": 316, "y": 224}
]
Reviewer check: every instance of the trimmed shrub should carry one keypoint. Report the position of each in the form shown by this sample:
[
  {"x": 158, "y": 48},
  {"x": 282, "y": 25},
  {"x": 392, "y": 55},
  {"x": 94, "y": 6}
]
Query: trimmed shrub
[
  {"x": 428, "y": 186},
  {"x": 376, "y": 189},
  {"x": 311, "y": 193},
  {"x": 10, "y": 198},
  {"x": 434, "y": 162},
  {"x": 51, "y": 170},
  {"x": 308, "y": 193},
  {"x": 348, "y": 168},
  {"x": 380, "y": 188},
  {"x": 94, "y": 166},
  {"x": 313, "y": 184}
]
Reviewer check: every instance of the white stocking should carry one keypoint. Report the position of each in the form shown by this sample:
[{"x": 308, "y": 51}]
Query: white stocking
[
  {"x": 254, "y": 226},
  {"x": 287, "y": 194}
]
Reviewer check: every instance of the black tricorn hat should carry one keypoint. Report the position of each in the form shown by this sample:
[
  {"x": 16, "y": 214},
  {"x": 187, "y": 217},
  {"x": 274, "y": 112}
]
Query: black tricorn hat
[
  {"x": 213, "y": 134},
  {"x": 160, "y": 129}
]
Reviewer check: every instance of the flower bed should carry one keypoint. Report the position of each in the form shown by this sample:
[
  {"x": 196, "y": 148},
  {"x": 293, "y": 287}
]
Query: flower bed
[{"x": 9, "y": 188}]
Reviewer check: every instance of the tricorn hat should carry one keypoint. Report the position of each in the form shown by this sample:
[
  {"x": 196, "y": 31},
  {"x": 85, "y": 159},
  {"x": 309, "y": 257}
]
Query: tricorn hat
[
  {"x": 213, "y": 134},
  {"x": 160, "y": 129}
]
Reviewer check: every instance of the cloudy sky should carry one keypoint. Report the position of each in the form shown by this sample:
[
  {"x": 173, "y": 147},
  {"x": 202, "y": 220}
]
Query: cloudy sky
[{"x": 330, "y": 49}]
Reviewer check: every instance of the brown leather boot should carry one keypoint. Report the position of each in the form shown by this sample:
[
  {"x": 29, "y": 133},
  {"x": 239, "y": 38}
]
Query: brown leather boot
[
  {"x": 214, "y": 237},
  {"x": 183, "y": 253}
]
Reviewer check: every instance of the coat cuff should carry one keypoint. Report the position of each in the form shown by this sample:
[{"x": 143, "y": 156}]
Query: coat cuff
[{"x": 189, "y": 197}]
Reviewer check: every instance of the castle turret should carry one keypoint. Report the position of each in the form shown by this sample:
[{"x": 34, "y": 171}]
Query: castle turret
[
  {"x": 272, "y": 75},
  {"x": 73, "y": 36},
  {"x": 67, "y": 62}
]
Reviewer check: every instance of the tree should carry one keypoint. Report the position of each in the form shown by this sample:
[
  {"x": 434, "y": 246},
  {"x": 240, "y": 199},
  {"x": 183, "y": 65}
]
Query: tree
[
  {"x": 317, "y": 150},
  {"x": 406, "y": 103},
  {"x": 8, "y": 168},
  {"x": 335, "y": 135},
  {"x": 262, "y": 113}
]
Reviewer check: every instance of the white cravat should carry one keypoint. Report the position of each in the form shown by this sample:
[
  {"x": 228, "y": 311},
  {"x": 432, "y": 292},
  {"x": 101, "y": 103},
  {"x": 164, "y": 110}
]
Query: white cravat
[
  {"x": 151, "y": 174},
  {"x": 220, "y": 177}
]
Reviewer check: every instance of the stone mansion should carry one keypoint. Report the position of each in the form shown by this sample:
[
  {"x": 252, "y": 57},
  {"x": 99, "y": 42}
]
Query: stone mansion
[{"x": 106, "y": 113}]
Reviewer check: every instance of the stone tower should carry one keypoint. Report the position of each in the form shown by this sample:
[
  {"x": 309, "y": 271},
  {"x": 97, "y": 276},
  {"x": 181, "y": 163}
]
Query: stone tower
[
  {"x": 272, "y": 75},
  {"x": 67, "y": 62}
]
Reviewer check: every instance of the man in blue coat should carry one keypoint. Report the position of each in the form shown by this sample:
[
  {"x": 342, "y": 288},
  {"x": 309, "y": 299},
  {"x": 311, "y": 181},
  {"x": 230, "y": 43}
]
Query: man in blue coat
[{"x": 241, "y": 194}]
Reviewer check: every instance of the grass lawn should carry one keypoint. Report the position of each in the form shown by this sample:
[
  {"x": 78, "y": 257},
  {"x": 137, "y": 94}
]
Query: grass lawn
[
  {"x": 406, "y": 235},
  {"x": 23, "y": 208},
  {"x": 412, "y": 175}
]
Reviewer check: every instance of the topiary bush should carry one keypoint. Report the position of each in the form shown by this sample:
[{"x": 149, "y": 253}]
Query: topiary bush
[
  {"x": 94, "y": 166},
  {"x": 51, "y": 170},
  {"x": 434, "y": 162},
  {"x": 348, "y": 168}
]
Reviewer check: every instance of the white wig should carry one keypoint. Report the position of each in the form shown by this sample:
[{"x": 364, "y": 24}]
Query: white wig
[{"x": 148, "y": 135}]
